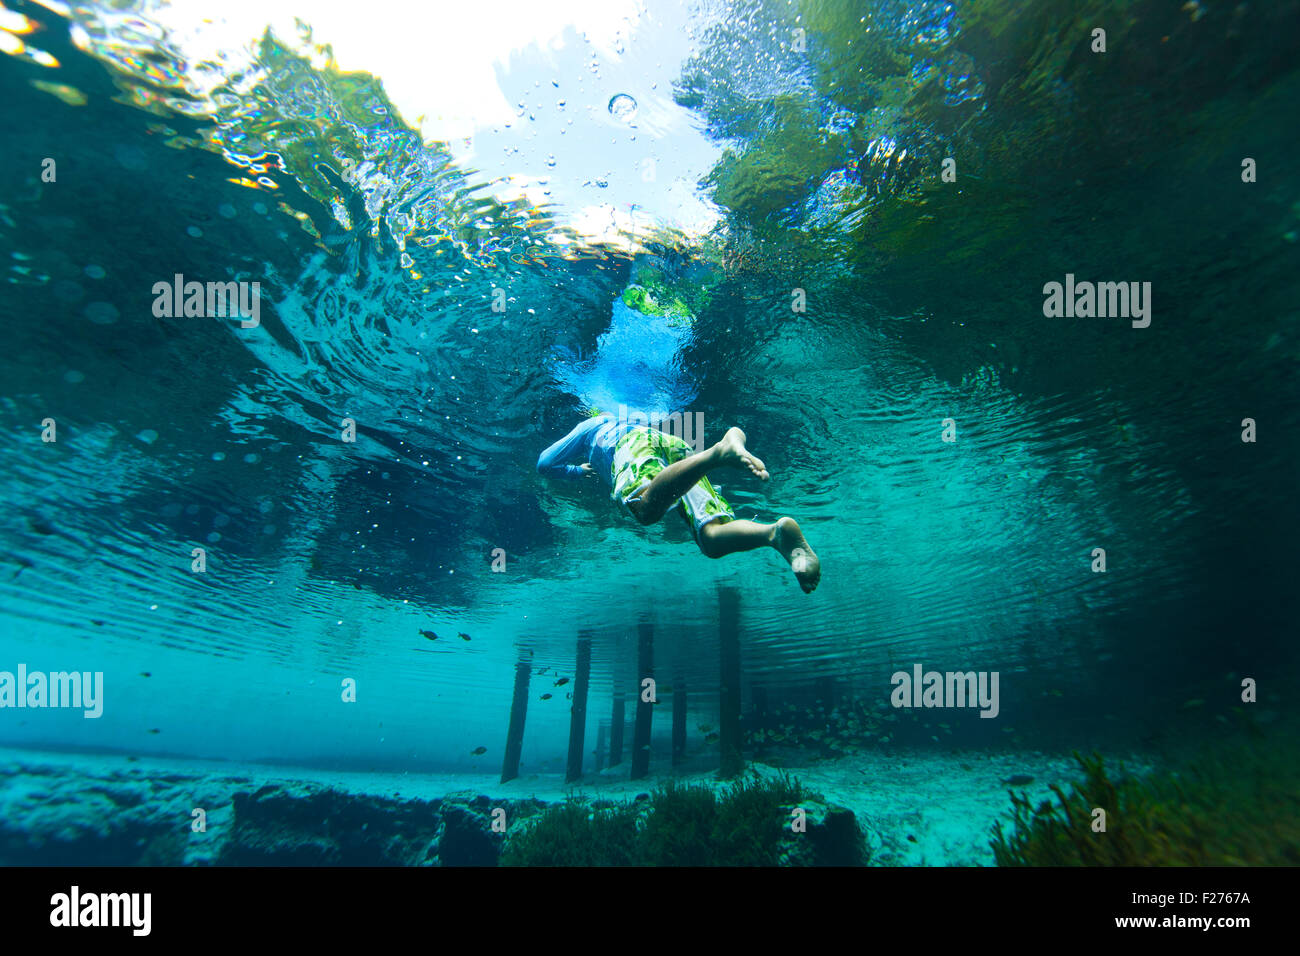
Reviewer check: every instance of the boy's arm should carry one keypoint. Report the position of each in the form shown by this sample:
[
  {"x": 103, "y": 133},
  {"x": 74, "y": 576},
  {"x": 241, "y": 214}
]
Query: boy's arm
[{"x": 556, "y": 461}]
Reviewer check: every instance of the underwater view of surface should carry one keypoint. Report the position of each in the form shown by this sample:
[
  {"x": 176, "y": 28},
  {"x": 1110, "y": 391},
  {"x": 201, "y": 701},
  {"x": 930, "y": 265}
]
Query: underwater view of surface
[{"x": 1003, "y": 296}]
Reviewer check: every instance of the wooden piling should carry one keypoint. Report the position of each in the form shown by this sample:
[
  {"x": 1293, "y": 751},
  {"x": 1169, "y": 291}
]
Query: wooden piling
[
  {"x": 644, "y": 708},
  {"x": 518, "y": 715},
  {"x": 617, "y": 721},
  {"x": 578, "y": 715}
]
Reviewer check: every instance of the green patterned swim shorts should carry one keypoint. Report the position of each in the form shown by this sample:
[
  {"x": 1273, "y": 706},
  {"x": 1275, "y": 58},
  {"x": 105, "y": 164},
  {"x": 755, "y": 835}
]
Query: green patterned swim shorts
[{"x": 644, "y": 452}]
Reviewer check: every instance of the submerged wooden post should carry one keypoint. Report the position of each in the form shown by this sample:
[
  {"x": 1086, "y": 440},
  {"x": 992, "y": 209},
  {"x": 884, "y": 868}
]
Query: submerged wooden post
[
  {"x": 616, "y": 722},
  {"x": 518, "y": 714},
  {"x": 644, "y": 708},
  {"x": 578, "y": 715},
  {"x": 732, "y": 762},
  {"x": 679, "y": 720},
  {"x": 602, "y": 730}
]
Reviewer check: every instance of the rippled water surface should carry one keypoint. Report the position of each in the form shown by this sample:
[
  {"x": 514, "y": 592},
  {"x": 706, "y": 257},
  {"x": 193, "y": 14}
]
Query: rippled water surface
[{"x": 443, "y": 228}]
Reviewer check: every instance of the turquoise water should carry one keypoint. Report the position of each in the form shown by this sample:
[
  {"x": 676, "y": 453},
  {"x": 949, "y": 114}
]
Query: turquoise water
[{"x": 444, "y": 235}]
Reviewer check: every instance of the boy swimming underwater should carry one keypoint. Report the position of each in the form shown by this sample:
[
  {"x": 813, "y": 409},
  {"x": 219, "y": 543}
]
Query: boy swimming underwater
[{"x": 649, "y": 471}]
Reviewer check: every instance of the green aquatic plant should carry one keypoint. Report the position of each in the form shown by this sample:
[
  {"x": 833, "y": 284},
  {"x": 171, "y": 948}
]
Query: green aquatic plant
[
  {"x": 744, "y": 824},
  {"x": 575, "y": 833},
  {"x": 1231, "y": 806},
  {"x": 679, "y": 829},
  {"x": 755, "y": 829}
]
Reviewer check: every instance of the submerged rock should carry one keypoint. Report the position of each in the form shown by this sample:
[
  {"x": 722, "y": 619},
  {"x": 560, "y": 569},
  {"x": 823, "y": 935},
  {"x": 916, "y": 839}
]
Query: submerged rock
[
  {"x": 53, "y": 815},
  {"x": 832, "y": 838}
]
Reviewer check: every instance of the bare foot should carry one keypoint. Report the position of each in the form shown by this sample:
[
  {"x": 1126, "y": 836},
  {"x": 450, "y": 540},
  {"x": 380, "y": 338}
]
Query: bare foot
[
  {"x": 733, "y": 452},
  {"x": 789, "y": 540}
]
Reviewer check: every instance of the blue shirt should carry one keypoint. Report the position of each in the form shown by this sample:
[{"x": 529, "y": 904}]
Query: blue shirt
[{"x": 592, "y": 441}]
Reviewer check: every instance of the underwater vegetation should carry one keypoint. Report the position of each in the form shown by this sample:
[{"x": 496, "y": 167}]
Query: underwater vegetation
[
  {"x": 1232, "y": 806},
  {"x": 575, "y": 833},
  {"x": 748, "y": 823}
]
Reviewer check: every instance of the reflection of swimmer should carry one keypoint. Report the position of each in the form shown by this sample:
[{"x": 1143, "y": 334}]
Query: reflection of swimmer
[{"x": 649, "y": 471}]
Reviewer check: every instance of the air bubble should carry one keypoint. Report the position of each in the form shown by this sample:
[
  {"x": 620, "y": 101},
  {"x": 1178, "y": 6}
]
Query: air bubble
[{"x": 622, "y": 106}]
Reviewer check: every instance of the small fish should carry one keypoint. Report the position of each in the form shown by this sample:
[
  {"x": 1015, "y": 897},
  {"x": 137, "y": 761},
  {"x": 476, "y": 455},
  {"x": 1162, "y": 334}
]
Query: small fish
[
  {"x": 428, "y": 634},
  {"x": 568, "y": 697},
  {"x": 546, "y": 697},
  {"x": 1018, "y": 780},
  {"x": 709, "y": 738},
  {"x": 1195, "y": 702},
  {"x": 462, "y": 635},
  {"x": 561, "y": 682},
  {"x": 478, "y": 751},
  {"x": 145, "y": 674},
  {"x": 154, "y": 730}
]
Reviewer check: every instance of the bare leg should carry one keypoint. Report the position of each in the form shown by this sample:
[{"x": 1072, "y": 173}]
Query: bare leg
[
  {"x": 675, "y": 480},
  {"x": 719, "y": 538}
]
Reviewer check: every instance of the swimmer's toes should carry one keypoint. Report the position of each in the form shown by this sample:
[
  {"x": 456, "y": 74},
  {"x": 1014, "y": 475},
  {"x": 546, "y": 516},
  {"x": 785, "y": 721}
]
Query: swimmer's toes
[
  {"x": 799, "y": 554},
  {"x": 807, "y": 570}
]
